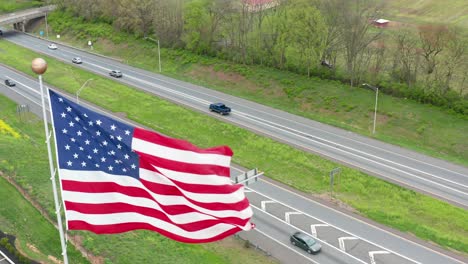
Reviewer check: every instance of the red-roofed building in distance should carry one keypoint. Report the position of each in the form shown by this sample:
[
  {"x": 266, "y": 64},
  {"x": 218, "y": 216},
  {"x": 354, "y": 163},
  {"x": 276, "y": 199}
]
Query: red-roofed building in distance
[{"x": 260, "y": 5}]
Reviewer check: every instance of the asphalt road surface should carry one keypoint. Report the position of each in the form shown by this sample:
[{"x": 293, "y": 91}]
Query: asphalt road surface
[
  {"x": 429, "y": 175},
  {"x": 280, "y": 212}
]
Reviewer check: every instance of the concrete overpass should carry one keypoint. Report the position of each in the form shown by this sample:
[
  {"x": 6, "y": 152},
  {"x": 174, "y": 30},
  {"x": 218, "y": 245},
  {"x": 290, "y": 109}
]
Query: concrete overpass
[{"x": 20, "y": 19}]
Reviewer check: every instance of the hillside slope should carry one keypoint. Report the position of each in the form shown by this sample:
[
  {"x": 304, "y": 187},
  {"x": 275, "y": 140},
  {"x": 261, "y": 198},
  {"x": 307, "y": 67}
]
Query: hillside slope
[{"x": 428, "y": 11}]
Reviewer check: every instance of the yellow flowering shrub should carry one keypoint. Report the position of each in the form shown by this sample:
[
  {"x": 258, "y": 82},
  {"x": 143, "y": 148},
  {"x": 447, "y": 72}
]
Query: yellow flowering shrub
[{"x": 6, "y": 129}]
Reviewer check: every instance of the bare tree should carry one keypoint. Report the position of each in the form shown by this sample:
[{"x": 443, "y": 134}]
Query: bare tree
[
  {"x": 456, "y": 55},
  {"x": 333, "y": 41},
  {"x": 433, "y": 39},
  {"x": 405, "y": 57},
  {"x": 168, "y": 21},
  {"x": 354, "y": 29}
]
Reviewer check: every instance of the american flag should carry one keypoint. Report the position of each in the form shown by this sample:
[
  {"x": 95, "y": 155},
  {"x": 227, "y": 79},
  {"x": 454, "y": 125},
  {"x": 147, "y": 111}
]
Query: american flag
[{"x": 115, "y": 178}]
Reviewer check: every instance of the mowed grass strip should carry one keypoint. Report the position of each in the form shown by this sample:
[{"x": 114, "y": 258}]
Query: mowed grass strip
[
  {"x": 25, "y": 159},
  {"x": 406, "y": 210}
]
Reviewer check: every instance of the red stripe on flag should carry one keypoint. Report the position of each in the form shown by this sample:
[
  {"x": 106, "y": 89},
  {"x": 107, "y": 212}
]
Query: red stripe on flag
[{"x": 201, "y": 169}]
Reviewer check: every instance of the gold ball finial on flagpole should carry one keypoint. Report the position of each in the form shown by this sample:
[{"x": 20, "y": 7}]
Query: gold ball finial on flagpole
[{"x": 39, "y": 65}]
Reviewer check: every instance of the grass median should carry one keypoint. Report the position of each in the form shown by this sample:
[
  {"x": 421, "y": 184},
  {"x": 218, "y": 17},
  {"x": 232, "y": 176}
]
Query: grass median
[{"x": 423, "y": 216}]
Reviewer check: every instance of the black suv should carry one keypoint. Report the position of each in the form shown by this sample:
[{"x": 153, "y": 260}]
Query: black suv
[{"x": 9, "y": 83}]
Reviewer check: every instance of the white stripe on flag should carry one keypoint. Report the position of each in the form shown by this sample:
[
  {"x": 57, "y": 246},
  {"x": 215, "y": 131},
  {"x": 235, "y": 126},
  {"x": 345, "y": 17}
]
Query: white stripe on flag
[{"x": 185, "y": 156}]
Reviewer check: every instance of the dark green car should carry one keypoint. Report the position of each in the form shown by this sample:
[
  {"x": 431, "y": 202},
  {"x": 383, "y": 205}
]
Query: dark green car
[{"x": 305, "y": 242}]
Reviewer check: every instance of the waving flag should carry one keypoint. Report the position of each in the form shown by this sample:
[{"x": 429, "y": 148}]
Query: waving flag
[{"x": 116, "y": 178}]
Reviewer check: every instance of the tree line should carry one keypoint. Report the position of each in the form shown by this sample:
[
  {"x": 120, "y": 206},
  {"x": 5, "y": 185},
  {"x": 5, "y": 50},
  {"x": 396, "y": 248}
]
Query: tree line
[{"x": 334, "y": 39}]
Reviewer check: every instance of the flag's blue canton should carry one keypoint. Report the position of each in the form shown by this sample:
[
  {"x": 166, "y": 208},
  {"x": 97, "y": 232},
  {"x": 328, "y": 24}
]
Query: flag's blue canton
[{"x": 89, "y": 141}]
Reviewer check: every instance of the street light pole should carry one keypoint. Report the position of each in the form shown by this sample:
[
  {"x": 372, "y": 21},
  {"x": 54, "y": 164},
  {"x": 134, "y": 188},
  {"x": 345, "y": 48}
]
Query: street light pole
[
  {"x": 376, "y": 89},
  {"x": 159, "y": 57},
  {"x": 46, "y": 26},
  {"x": 79, "y": 90},
  {"x": 159, "y": 51},
  {"x": 375, "y": 110}
]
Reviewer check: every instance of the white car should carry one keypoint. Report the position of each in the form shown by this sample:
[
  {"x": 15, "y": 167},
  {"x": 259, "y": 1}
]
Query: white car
[
  {"x": 52, "y": 46},
  {"x": 77, "y": 60}
]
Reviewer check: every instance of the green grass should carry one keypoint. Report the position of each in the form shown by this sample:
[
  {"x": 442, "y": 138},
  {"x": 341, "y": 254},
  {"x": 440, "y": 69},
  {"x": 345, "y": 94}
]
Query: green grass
[
  {"x": 426, "y": 217},
  {"x": 429, "y": 11},
  {"x": 7, "y": 6},
  {"x": 17, "y": 215}
]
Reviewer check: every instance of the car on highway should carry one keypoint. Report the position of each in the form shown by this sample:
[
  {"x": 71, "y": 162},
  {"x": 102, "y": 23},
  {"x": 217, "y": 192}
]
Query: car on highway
[
  {"x": 305, "y": 242},
  {"x": 52, "y": 46},
  {"x": 115, "y": 73},
  {"x": 220, "y": 108},
  {"x": 77, "y": 60},
  {"x": 9, "y": 82}
]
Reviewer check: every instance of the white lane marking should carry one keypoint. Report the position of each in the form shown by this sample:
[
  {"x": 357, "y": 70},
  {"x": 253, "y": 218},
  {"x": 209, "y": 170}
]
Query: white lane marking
[
  {"x": 341, "y": 241},
  {"x": 393, "y": 179},
  {"x": 287, "y": 246},
  {"x": 373, "y": 161},
  {"x": 336, "y": 227},
  {"x": 264, "y": 203},
  {"x": 22, "y": 94},
  {"x": 330, "y": 145},
  {"x": 322, "y": 241},
  {"x": 287, "y": 216},
  {"x": 362, "y": 222},
  {"x": 6, "y": 258},
  {"x": 372, "y": 253},
  {"x": 130, "y": 69},
  {"x": 313, "y": 229}
]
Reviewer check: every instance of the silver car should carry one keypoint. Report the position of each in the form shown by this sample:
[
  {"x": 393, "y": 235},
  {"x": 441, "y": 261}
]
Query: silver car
[{"x": 77, "y": 60}]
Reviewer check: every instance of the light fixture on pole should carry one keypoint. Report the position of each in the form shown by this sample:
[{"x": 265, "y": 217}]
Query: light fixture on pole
[
  {"x": 159, "y": 51},
  {"x": 39, "y": 66},
  {"x": 79, "y": 90},
  {"x": 376, "y": 89}
]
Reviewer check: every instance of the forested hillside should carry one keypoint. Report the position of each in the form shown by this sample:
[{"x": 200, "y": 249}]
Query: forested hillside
[{"x": 333, "y": 39}]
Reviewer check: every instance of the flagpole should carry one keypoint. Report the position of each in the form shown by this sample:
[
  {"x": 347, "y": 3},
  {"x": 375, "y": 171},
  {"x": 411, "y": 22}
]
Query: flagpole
[{"x": 39, "y": 66}]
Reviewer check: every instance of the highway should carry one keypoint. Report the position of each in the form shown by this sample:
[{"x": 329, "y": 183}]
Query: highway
[
  {"x": 279, "y": 212},
  {"x": 432, "y": 176}
]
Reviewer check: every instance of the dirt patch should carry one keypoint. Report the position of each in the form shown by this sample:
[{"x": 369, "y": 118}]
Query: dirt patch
[
  {"x": 382, "y": 119},
  {"x": 33, "y": 248},
  {"x": 54, "y": 259}
]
